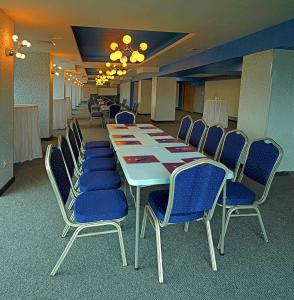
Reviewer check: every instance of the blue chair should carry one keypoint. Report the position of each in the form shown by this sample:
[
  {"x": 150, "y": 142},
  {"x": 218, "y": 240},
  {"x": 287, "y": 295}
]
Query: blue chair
[
  {"x": 135, "y": 108},
  {"x": 185, "y": 128},
  {"x": 91, "y": 209},
  {"x": 94, "y": 112},
  {"x": 213, "y": 141},
  {"x": 90, "y": 181},
  {"x": 197, "y": 135},
  {"x": 262, "y": 161},
  {"x": 125, "y": 117},
  {"x": 233, "y": 149},
  {"x": 92, "y": 152},
  {"x": 192, "y": 196},
  {"x": 114, "y": 109},
  {"x": 92, "y": 144}
]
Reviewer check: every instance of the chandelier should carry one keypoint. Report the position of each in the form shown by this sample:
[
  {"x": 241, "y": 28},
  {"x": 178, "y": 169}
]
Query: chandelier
[
  {"x": 19, "y": 45},
  {"x": 126, "y": 52}
]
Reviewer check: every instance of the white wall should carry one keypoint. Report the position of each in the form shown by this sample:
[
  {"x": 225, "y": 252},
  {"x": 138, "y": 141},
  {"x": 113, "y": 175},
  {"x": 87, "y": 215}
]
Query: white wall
[
  {"x": 136, "y": 91},
  {"x": 144, "y": 96},
  {"x": 125, "y": 92},
  {"x": 6, "y": 100},
  {"x": 228, "y": 90},
  {"x": 164, "y": 96},
  {"x": 199, "y": 99},
  {"x": 267, "y": 100},
  {"x": 33, "y": 84},
  {"x": 107, "y": 91},
  {"x": 89, "y": 89}
]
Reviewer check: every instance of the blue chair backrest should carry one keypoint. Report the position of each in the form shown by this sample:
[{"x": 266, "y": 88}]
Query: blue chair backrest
[
  {"x": 234, "y": 144},
  {"x": 59, "y": 172},
  {"x": 261, "y": 160},
  {"x": 73, "y": 144},
  {"x": 213, "y": 139},
  {"x": 196, "y": 189},
  {"x": 197, "y": 133},
  {"x": 113, "y": 110},
  {"x": 76, "y": 134},
  {"x": 185, "y": 127},
  {"x": 64, "y": 147},
  {"x": 125, "y": 118}
]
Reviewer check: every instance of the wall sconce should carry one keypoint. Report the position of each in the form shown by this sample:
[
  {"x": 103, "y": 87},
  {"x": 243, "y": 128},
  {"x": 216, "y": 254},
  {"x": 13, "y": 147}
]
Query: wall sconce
[
  {"x": 56, "y": 70},
  {"x": 19, "y": 45}
]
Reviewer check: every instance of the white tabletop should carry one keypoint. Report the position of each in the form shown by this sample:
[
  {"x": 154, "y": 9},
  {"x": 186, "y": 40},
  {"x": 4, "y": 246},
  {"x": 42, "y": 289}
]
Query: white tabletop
[
  {"x": 131, "y": 129},
  {"x": 145, "y": 140}
]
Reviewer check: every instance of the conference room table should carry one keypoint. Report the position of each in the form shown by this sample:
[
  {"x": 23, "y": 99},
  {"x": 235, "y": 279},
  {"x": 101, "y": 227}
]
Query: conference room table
[{"x": 149, "y": 163}]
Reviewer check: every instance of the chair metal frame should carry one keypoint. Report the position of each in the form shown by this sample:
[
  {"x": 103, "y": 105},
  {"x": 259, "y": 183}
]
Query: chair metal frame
[
  {"x": 234, "y": 210},
  {"x": 241, "y": 157},
  {"x": 126, "y": 112},
  {"x": 189, "y": 130},
  {"x": 157, "y": 224},
  {"x": 215, "y": 157},
  {"x": 203, "y": 134},
  {"x": 93, "y": 117},
  {"x": 69, "y": 221}
]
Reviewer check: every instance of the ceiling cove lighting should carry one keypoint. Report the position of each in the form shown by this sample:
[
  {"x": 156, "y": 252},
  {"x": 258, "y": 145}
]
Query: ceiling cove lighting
[
  {"x": 127, "y": 53},
  {"x": 19, "y": 44}
]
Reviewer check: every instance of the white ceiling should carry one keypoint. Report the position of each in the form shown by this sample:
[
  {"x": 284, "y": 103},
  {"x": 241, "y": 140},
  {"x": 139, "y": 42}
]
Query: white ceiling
[{"x": 213, "y": 22}]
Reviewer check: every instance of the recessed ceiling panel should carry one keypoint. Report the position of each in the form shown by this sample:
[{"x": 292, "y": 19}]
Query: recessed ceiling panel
[{"x": 93, "y": 42}]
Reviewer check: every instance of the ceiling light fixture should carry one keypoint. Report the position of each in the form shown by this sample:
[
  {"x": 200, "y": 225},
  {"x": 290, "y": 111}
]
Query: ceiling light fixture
[{"x": 126, "y": 52}]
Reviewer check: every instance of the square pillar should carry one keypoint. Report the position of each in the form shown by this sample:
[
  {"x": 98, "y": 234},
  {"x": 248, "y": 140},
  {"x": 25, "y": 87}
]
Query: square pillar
[
  {"x": 164, "y": 96},
  {"x": 144, "y": 96},
  {"x": 266, "y": 107}
]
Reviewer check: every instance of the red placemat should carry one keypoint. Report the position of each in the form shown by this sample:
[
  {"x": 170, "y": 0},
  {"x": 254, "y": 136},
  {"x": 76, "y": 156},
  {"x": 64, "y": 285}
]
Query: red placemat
[
  {"x": 181, "y": 149},
  {"x": 187, "y": 160},
  {"x": 166, "y": 140},
  {"x": 147, "y": 127},
  {"x": 128, "y": 142},
  {"x": 122, "y": 136},
  {"x": 158, "y": 134},
  {"x": 130, "y": 125},
  {"x": 118, "y": 127},
  {"x": 140, "y": 159},
  {"x": 172, "y": 166}
]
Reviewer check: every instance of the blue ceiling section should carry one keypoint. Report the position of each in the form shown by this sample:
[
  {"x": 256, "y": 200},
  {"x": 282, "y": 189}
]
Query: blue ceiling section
[
  {"x": 91, "y": 71},
  {"x": 93, "y": 42},
  {"x": 280, "y": 36}
]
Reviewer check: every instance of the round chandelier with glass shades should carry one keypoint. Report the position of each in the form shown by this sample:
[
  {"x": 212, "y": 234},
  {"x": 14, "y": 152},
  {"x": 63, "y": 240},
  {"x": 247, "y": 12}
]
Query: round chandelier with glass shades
[
  {"x": 112, "y": 71},
  {"x": 126, "y": 53}
]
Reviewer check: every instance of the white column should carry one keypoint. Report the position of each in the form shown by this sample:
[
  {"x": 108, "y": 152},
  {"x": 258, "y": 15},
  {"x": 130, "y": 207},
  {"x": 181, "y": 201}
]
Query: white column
[
  {"x": 73, "y": 96},
  {"x": 266, "y": 105},
  {"x": 163, "y": 101},
  {"x": 144, "y": 96},
  {"x": 58, "y": 86}
]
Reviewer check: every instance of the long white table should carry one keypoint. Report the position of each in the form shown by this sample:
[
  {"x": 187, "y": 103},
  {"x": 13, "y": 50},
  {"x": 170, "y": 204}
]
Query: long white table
[
  {"x": 140, "y": 175},
  {"x": 27, "y": 142}
]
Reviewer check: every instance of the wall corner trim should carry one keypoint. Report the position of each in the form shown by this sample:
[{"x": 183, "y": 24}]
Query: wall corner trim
[{"x": 7, "y": 185}]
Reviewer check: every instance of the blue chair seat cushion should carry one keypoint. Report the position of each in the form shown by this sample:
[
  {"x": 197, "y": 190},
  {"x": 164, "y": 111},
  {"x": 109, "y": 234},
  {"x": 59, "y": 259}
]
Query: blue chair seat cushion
[
  {"x": 238, "y": 194},
  {"x": 99, "y": 180},
  {"x": 98, "y": 152},
  {"x": 98, "y": 164},
  {"x": 102, "y": 205},
  {"x": 97, "y": 114},
  {"x": 158, "y": 201},
  {"x": 97, "y": 144}
]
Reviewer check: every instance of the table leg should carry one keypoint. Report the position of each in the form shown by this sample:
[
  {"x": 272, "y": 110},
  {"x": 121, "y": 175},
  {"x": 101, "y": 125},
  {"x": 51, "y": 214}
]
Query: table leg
[{"x": 137, "y": 227}]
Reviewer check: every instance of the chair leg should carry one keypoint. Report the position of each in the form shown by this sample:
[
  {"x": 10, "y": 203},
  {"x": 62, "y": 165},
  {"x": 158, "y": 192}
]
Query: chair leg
[
  {"x": 65, "y": 251},
  {"x": 121, "y": 244},
  {"x": 211, "y": 247},
  {"x": 67, "y": 227},
  {"x": 159, "y": 253},
  {"x": 261, "y": 224},
  {"x": 144, "y": 224},
  {"x": 221, "y": 243},
  {"x": 186, "y": 226}
]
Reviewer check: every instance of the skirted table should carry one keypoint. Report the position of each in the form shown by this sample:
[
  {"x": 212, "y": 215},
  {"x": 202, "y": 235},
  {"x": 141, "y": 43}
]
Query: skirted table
[
  {"x": 27, "y": 142},
  {"x": 216, "y": 112},
  {"x": 60, "y": 113},
  {"x": 68, "y": 107}
]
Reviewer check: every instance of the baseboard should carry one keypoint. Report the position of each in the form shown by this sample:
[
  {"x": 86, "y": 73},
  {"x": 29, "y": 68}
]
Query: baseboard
[
  {"x": 285, "y": 173},
  {"x": 48, "y": 139},
  {"x": 162, "y": 121},
  {"x": 7, "y": 185}
]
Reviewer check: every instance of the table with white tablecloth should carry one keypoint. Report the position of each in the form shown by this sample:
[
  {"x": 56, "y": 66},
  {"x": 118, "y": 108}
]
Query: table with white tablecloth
[
  {"x": 27, "y": 142},
  {"x": 60, "y": 113},
  {"x": 68, "y": 107},
  {"x": 216, "y": 112}
]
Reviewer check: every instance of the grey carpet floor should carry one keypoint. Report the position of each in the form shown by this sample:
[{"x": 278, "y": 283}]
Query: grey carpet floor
[{"x": 30, "y": 244}]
